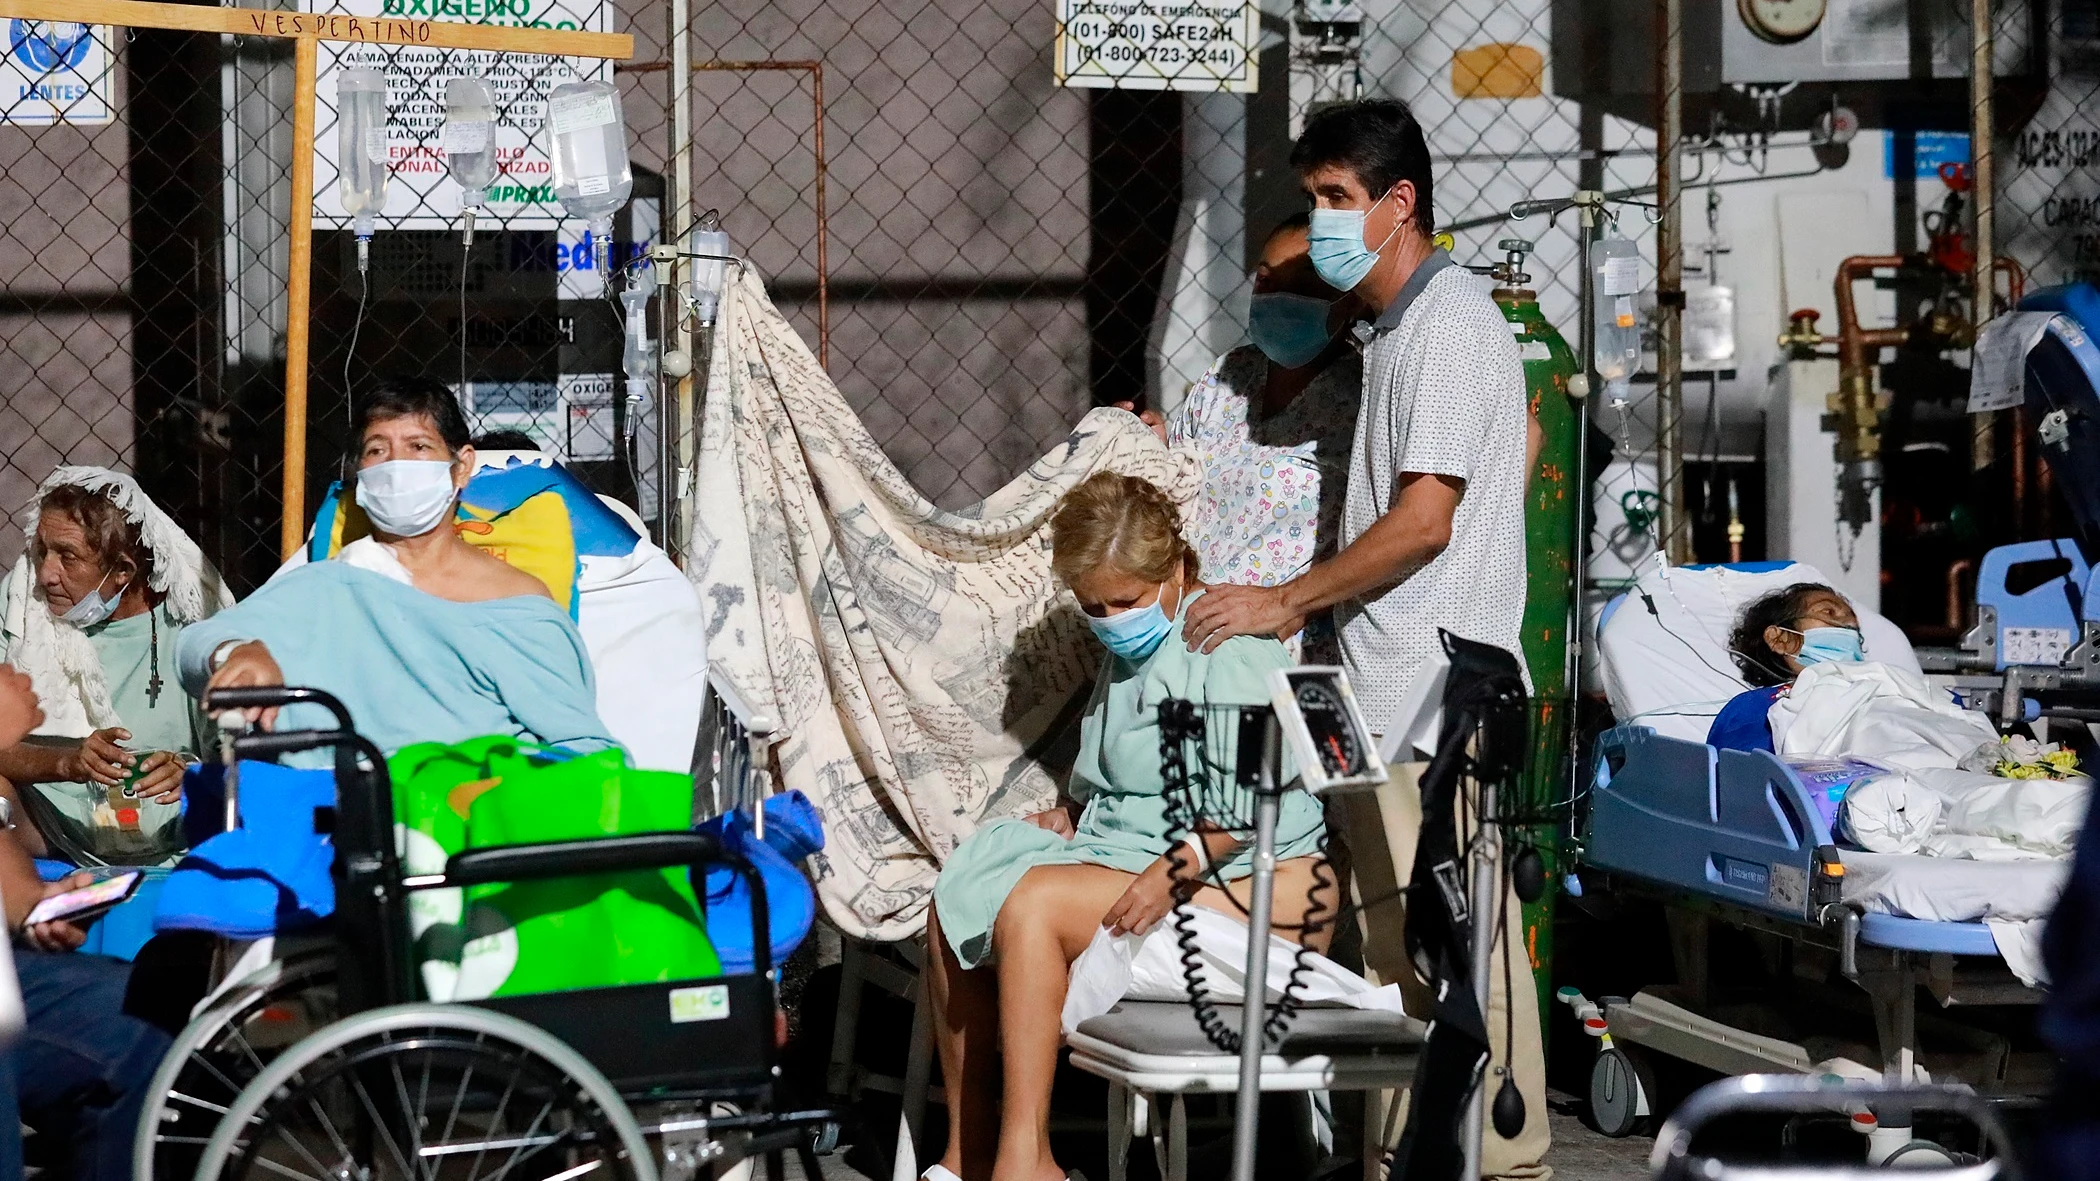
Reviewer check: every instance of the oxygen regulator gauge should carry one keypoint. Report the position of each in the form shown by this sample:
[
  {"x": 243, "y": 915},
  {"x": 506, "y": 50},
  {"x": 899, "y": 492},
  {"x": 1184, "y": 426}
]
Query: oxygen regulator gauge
[
  {"x": 1324, "y": 729},
  {"x": 1782, "y": 22}
]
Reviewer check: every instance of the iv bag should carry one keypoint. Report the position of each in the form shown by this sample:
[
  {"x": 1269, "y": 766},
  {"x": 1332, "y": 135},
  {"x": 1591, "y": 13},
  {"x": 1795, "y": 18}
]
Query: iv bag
[
  {"x": 361, "y": 152},
  {"x": 591, "y": 176},
  {"x": 469, "y": 138},
  {"x": 709, "y": 273},
  {"x": 638, "y": 358},
  {"x": 1615, "y": 276}
]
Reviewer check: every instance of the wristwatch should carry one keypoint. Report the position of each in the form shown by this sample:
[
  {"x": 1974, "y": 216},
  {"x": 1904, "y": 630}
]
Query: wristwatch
[
  {"x": 7, "y": 813},
  {"x": 217, "y": 659}
]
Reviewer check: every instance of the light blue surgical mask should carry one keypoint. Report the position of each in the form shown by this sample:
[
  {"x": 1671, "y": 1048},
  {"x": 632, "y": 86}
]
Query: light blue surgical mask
[
  {"x": 1335, "y": 240},
  {"x": 1137, "y": 633},
  {"x": 92, "y": 608},
  {"x": 1826, "y": 645},
  {"x": 1290, "y": 329}
]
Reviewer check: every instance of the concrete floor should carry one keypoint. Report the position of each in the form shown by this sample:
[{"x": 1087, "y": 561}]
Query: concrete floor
[{"x": 1578, "y": 1154}]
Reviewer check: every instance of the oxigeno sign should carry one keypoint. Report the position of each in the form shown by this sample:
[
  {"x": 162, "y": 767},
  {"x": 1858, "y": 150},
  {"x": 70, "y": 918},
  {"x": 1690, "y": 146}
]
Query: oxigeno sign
[{"x": 512, "y": 13}]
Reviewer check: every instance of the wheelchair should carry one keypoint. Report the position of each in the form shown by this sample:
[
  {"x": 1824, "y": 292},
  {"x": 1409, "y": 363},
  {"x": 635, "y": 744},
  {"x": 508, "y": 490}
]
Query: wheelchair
[{"x": 316, "y": 1058}]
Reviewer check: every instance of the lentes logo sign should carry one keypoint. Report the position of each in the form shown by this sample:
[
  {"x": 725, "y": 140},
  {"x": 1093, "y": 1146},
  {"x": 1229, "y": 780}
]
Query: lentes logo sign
[{"x": 55, "y": 72}]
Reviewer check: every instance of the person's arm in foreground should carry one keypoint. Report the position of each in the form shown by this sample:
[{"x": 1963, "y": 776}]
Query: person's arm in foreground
[
  {"x": 20, "y": 887},
  {"x": 1413, "y": 532}
]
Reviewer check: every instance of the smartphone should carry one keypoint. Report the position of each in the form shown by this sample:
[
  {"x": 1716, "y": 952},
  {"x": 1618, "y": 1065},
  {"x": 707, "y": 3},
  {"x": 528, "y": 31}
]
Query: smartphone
[{"x": 88, "y": 901}]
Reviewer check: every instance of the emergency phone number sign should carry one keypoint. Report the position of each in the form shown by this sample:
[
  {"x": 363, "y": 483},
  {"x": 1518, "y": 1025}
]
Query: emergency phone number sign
[{"x": 1147, "y": 45}]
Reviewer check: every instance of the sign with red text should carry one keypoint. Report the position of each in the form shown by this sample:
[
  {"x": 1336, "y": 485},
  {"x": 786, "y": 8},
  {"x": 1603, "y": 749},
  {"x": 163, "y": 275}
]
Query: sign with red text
[{"x": 420, "y": 194}]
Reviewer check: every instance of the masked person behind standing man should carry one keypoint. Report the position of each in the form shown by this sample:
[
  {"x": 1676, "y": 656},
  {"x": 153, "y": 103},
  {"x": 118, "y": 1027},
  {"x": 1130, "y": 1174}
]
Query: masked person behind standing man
[
  {"x": 423, "y": 637},
  {"x": 1273, "y": 423},
  {"x": 93, "y": 612}
]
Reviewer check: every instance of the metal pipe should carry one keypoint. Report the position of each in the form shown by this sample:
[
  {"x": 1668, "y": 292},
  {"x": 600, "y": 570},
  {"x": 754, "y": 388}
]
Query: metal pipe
[
  {"x": 1590, "y": 205},
  {"x": 2021, "y": 531},
  {"x": 1669, "y": 281},
  {"x": 674, "y": 423},
  {"x": 1857, "y": 408},
  {"x": 1957, "y": 607},
  {"x": 815, "y": 69},
  {"x": 1981, "y": 129},
  {"x": 1268, "y": 804}
]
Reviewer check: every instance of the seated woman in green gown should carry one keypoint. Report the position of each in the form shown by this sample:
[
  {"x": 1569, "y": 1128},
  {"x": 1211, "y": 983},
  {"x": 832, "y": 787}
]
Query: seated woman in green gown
[
  {"x": 421, "y": 636},
  {"x": 93, "y": 612},
  {"x": 1018, "y": 901}
]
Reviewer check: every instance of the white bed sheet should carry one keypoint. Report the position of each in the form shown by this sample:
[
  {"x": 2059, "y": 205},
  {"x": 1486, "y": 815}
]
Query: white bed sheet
[{"x": 1951, "y": 889}]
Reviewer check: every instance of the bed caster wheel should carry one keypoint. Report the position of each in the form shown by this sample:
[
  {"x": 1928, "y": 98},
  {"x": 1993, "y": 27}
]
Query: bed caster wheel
[
  {"x": 1921, "y": 1154},
  {"x": 1622, "y": 1089}
]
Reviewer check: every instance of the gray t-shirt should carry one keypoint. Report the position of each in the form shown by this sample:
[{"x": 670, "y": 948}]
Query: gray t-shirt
[{"x": 1443, "y": 396}]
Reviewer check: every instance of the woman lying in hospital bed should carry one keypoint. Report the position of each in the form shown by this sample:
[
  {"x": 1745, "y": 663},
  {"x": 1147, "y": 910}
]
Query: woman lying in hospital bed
[
  {"x": 1899, "y": 771},
  {"x": 1020, "y": 900},
  {"x": 423, "y": 637},
  {"x": 1819, "y": 696}
]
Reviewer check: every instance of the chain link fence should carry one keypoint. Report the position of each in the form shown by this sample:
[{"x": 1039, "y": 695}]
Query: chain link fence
[
  {"x": 980, "y": 253},
  {"x": 2048, "y": 152}
]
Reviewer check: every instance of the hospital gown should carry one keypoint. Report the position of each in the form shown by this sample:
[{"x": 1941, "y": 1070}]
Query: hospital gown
[
  {"x": 169, "y": 720},
  {"x": 1118, "y": 778},
  {"x": 409, "y": 666}
]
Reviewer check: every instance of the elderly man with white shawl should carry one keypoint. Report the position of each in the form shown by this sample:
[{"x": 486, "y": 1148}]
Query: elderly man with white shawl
[{"x": 91, "y": 613}]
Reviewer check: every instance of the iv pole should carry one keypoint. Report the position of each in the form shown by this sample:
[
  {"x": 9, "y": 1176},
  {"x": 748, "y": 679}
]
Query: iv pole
[{"x": 1268, "y": 803}]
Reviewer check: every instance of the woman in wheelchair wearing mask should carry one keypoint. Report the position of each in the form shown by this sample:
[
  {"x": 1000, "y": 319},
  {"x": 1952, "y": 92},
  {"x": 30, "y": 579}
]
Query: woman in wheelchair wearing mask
[
  {"x": 1776, "y": 637},
  {"x": 423, "y": 637},
  {"x": 93, "y": 613},
  {"x": 1018, "y": 901}
]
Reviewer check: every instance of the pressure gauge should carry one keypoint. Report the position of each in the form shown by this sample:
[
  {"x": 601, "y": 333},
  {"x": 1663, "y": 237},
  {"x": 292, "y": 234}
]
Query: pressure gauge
[
  {"x": 1324, "y": 729},
  {"x": 1782, "y": 22}
]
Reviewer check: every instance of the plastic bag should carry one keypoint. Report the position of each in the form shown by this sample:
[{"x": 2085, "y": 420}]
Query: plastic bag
[
  {"x": 1148, "y": 968},
  {"x": 505, "y": 939}
]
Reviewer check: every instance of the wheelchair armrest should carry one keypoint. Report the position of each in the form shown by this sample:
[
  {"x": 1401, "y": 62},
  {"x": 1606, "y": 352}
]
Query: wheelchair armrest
[
  {"x": 275, "y": 697},
  {"x": 561, "y": 859}
]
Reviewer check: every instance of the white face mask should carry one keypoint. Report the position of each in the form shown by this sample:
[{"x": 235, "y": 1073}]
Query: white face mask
[
  {"x": 92, "y": 608},
  {"x": 407, "y": 497}
]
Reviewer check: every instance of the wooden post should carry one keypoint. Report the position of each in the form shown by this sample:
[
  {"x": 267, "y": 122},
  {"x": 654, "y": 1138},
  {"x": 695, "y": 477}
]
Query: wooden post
[{"x": 306, "y": 56}]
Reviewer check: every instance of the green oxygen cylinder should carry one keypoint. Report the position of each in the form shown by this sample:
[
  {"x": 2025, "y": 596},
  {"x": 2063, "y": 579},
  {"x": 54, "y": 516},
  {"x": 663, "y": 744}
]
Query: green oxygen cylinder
[{"x": 1549, "y": 544}]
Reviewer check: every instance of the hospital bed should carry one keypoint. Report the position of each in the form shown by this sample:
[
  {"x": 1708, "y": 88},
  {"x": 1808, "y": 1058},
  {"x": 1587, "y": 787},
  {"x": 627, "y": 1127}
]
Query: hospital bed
[{"x": 1743, "y": 838}]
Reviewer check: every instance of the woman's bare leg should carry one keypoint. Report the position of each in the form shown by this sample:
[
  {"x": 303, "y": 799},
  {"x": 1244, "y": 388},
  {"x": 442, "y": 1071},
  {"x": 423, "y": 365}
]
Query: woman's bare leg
[
  {"x": 966, "y": 1029},
  {"x": 1047, "y": 920}
]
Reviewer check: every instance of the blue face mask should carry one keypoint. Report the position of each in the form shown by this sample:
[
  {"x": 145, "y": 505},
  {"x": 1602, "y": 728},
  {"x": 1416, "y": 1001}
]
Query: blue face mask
[
  {"x": 1137, "y": 633},
  {"x": 1340, "y": 256},
  {"x": 1289, "y": 329},
  {"x": 92, "y": 608},
  {"x": 1825, "y": 645}
]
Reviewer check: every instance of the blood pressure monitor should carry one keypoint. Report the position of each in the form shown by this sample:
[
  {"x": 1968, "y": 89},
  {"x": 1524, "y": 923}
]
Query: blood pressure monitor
[{"x": 1324, "y": 729}]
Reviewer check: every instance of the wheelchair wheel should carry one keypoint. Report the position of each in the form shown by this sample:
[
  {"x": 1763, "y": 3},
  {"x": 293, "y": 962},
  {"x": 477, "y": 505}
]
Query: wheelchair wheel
[
  {"x": 429, "y": 1093},
  {"x": 221, "y": 1051}
]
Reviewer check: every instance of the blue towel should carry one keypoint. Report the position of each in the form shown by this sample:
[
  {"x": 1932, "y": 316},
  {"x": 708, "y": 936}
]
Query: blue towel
[
  {"x": 267, "y": 877},
  {"x": 794, "y": 830}
]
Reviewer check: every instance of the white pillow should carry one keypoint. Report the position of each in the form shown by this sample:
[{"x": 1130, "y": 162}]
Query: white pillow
[{"x": 1670, "y": 669}]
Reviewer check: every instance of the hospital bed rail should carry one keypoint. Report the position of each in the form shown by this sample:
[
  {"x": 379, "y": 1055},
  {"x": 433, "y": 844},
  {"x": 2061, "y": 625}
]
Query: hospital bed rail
[{"x": 1736, "y": 837}]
